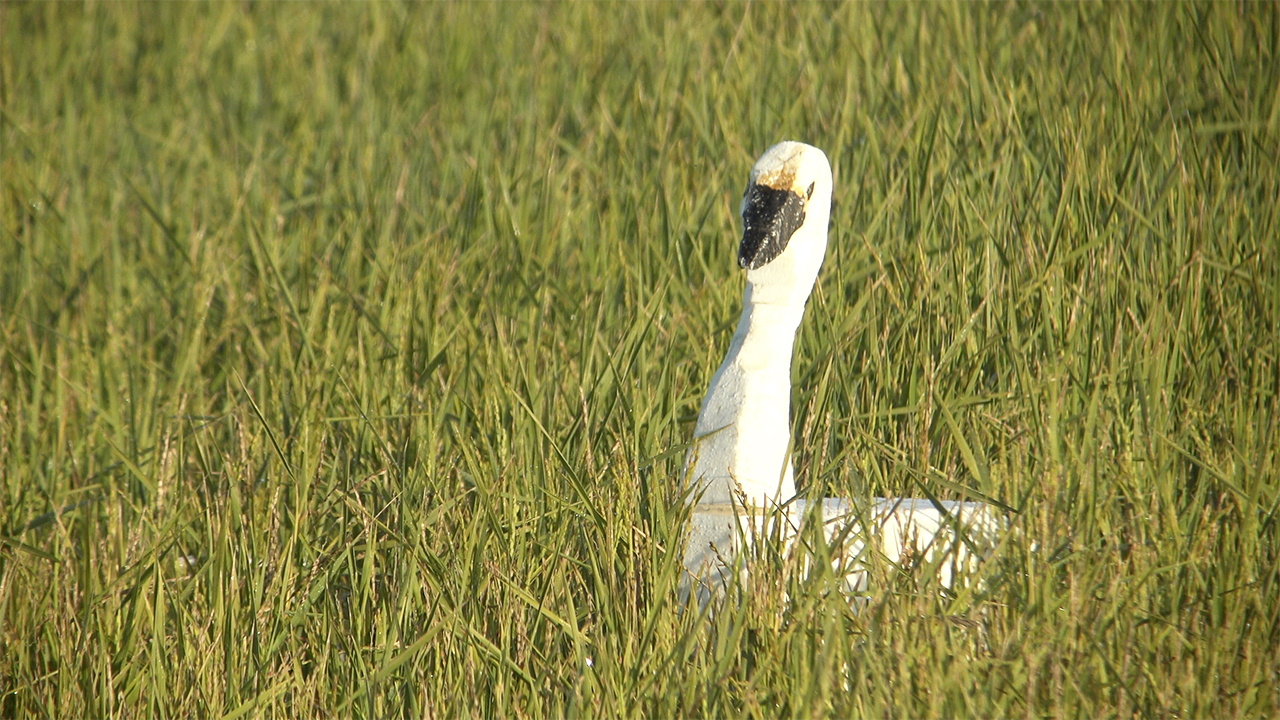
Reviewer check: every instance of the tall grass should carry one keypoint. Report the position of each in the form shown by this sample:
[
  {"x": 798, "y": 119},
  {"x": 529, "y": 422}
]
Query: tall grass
[{"x": 348, "y": 353}]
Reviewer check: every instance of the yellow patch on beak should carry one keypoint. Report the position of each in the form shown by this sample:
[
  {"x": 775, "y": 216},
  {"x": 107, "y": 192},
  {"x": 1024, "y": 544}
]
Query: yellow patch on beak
[{"x": 784, "y": 178}]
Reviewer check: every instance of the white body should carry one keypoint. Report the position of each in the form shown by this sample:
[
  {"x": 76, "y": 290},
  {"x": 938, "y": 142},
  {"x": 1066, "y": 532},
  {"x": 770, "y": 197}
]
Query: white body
[
  {"x": 943, "y": 536},
  {"x": 739, "y": 461}
]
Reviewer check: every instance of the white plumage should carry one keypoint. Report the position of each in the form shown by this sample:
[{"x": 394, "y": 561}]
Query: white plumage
[{"x": 739, "y": 460}]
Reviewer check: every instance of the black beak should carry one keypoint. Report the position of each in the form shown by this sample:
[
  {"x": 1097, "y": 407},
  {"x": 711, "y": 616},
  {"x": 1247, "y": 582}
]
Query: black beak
[{"x": 769, "y": 217}]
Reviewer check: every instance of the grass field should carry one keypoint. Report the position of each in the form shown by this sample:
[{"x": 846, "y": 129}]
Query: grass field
[{"x": 348, "y": 355}]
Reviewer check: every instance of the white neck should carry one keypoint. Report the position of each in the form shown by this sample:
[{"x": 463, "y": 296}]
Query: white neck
[
  {"x": 744, "y": 428},
  {"x": 740, "y": 442}
]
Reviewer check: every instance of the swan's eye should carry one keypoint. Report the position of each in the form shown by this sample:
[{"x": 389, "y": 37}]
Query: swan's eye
[{"x": 809, "y": 193}]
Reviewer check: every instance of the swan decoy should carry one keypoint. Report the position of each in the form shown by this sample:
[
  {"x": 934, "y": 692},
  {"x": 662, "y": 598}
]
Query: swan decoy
[{"x": 740, "y": 462}]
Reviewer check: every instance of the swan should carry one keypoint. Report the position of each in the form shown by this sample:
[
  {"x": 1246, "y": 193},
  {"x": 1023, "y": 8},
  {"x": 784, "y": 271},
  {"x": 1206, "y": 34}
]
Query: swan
[{"x": 739, "y": 461}]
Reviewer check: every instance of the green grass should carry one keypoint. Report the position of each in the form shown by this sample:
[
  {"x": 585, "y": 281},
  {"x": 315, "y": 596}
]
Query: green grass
[{"x": 348, "y": 353}]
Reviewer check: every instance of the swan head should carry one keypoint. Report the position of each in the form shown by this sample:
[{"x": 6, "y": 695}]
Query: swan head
[{"x": 785, "y": 210}]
